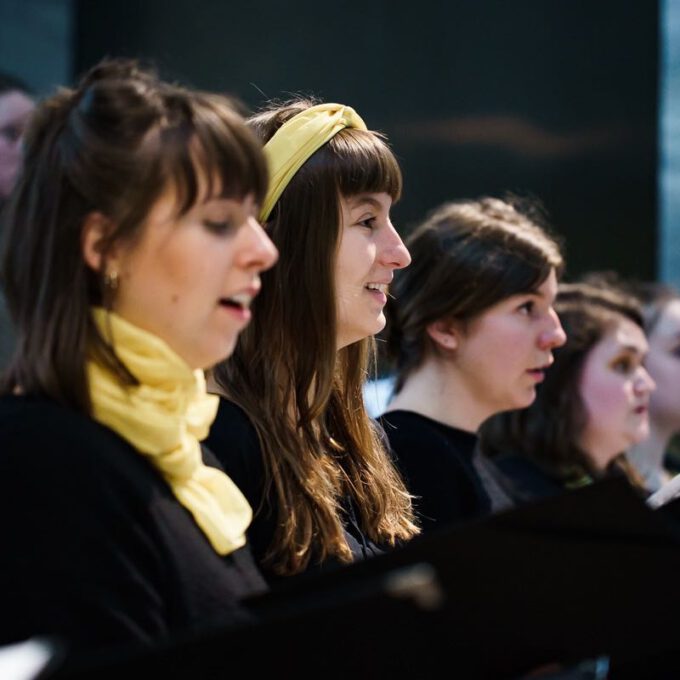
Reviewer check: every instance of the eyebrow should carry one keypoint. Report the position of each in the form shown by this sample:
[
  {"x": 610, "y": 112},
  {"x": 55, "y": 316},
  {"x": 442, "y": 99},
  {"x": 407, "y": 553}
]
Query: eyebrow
[
  {"x": 634, "y": 349},
  {"x": 535, "y": 292},
  {"x": 359, "y": 201}
]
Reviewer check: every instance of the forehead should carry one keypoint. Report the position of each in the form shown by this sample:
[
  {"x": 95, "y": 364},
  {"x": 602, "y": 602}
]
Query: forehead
[
  {"x": 669, "y": 320},
  {"x": 545, "y": 291},
  {"x": 623, "y": 335},
  {"x": 14, "y": 105},
  {"x": 377, "y": 200},
  {"x": 548, "y": 288}
]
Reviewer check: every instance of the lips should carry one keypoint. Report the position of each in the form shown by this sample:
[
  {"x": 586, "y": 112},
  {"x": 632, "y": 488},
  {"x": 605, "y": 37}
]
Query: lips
[
  {"x": 538, "y": 374},
  {"x": 379, "y": 287},
  {"x": 239, "y": 303}
]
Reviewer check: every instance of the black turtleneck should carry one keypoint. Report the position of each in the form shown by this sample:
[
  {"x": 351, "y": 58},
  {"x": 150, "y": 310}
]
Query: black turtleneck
[{"x": 439, "y": 468}]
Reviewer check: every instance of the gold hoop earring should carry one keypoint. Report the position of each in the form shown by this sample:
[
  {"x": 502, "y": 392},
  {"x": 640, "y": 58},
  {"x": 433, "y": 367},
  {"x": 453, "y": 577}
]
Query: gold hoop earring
[{"x": 111, "y": 281}]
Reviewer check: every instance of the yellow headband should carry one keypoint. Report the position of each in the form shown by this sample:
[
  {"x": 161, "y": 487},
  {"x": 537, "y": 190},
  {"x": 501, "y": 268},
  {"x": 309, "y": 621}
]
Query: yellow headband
[{"x": 297, "y": 139}]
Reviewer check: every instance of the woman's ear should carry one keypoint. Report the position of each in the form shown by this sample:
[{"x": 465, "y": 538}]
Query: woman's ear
[
  {"x": 96, "y": 228},
  {"x": 444, "y": 334}
]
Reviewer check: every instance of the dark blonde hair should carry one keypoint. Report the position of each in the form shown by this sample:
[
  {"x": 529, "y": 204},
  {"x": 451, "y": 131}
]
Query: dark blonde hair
[
  {"x": 303, "y": 395},
  {"x": 466, "y": 257},
  {"x": 548, "y": 432},
  {"x": 113, "y": 145}
]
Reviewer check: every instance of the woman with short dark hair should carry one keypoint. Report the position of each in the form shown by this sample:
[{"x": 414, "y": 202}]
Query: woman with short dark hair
[{"x": 471, "y": 332}]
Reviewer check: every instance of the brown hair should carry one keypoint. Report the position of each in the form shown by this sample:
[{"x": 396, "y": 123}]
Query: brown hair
[
  {"x": 549, "y": 430},
  {"x": 112, "y": 145},
  {"x": 466, "y": 257},
  {"x": 302, "y": 395}
]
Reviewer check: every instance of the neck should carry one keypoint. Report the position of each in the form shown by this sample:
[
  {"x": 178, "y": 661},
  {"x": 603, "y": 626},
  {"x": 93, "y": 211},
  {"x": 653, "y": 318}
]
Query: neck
[
  {"x": 433, "y": 390},
  {"x": 648, "y": 455}
]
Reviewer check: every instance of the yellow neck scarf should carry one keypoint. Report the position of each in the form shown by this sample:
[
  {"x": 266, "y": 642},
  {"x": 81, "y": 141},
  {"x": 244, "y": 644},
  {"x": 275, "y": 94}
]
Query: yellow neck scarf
[
  {"x": 164, "y": 418},
  {"x": 297, "y": 139}
]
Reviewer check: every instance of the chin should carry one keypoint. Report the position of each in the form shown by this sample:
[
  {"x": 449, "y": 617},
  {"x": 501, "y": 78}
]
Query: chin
[
  {"x": 371, "y": 329},
  {"x": 523, "y": 401},
  {"x": 223, "y": 352},
  {"x": 639, "y": 436}
]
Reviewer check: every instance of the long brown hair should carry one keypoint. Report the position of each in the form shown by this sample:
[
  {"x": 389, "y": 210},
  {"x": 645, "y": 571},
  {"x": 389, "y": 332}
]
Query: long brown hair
[
  {"x": 111, "y": 145},
  {"x": 302, "y": 395},
  {"x": 466, "y": 256},
  {"x": 548, "y": 432}
]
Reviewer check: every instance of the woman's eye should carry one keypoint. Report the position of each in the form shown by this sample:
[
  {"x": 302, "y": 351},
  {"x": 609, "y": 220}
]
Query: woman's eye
[
  {"x": 622, "y": 365},
  {"x": 218, "y": 227},
  {"x": 527, "y": 307},
  {"x": 369, "y": 223}
]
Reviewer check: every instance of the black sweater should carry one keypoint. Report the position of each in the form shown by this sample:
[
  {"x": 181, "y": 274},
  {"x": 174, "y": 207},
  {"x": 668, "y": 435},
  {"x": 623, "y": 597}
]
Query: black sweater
[
  {"x": 437, "y": 463},
  {"x": 95, "y": 547},
  {"x": 233, "y": 439}
]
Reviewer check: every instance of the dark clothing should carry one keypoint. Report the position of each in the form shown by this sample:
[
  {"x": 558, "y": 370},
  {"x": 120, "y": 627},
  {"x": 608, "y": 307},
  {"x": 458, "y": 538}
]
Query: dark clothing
[
  {"x": 527, "y": 480},
  {"x": 6, "y": 335},
  {"x": 6, "y": 330},
  {"x": 437, "y": 463},
  {"x": 95, "y": 546},
  {"x": 234, "y": 441}
]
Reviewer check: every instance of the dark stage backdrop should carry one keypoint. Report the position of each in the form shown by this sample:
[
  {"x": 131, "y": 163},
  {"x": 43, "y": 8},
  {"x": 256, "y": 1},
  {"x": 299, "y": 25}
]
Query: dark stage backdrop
[{"x": 552, "y": 98}]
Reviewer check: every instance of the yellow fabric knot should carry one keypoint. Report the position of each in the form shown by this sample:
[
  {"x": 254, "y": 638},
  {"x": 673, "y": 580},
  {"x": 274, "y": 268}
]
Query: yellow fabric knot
[
  {"x": 164, "y": 418},
  {"x": 297, "y": 139}
]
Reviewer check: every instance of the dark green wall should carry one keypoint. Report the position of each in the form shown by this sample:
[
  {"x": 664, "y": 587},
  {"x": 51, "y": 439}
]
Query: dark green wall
[{"x": 556, "y": 98}]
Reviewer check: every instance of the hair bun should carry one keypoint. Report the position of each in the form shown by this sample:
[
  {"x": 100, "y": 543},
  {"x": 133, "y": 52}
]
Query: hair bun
[{"x": 115, "y": 69}]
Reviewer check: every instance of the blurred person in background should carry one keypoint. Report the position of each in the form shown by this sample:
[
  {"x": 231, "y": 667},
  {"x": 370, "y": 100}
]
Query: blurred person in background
[
  {"x": 16, "y": 107},
  {"x": 661, "y": 311},
  {"x": 592, "y": 406}
]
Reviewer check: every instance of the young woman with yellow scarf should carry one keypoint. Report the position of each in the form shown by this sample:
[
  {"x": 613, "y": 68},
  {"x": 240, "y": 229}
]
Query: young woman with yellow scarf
[{"x": 131, "y": 258}]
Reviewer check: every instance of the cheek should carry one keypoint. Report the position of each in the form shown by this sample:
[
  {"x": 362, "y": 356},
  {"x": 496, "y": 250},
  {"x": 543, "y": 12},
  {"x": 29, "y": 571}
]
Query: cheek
[
  {"x": 512, "y": 351},
  {"x": 166, "y": 277},
  {"x": 604, "y": 396}
]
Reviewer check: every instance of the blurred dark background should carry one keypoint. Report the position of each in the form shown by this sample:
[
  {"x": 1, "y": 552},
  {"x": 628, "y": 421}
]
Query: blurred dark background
[{"x": 553, "y": 99}]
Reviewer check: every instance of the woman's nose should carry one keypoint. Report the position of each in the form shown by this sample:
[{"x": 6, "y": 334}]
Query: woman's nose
[
  {"x": 394, "y": 253},
  {"x": 554, "y": 335},
  {"x": 644, "y": 383}
]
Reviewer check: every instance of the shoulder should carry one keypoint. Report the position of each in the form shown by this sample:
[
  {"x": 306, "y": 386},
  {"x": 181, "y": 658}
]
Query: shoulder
[
  {"x": 34, "y": 427},
  {"x": 63, "y": 456},
  {"x": 234, "y": 442},
  {"x": 408, "y": 432},
  {"x": 232, "y": 427},
  {"x": 428, "y": 452},
  {"x": 527, "y": 479}
]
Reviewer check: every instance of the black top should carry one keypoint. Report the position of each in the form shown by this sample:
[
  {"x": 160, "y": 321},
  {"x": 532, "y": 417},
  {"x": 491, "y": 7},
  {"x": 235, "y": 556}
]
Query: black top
[
  {"x": 527, "y": 480},
  {"x": 234, "y": 441},
  {"x": 437, "y": 462},
  {"x": 95, "y": 547}
]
